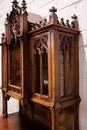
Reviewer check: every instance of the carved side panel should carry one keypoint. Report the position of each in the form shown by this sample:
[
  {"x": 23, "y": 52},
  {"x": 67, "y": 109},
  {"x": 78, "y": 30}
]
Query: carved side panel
[{"x": 65, "y": 65}]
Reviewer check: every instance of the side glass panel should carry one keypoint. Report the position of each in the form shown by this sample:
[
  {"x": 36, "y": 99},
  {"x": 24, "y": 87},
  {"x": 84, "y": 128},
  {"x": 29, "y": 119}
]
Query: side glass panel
[
  {"x": 41, "y": 65},
  {"x": 69, "y": 88},
  {"x": 62, "y": 73},
  {"x": 37, "y": 73},
  {"x": 45, "y": 73},
  {"x": 15, "y": 64}
]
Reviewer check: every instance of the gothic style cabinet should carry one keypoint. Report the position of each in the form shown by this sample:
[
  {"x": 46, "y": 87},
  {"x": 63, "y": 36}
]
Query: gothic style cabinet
[
  {"x": 40, "y": 67},
  {"x": 14, "y": 53}
]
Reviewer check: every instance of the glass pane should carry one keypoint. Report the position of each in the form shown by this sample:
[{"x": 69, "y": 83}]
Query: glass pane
[
  {"x": 37, "y": 64},
  {"x": 45, "y": 73},
  {"x": 62, "y": 74},
  {"x": 69, "y": 88},
  {"x": 15, "y": 64}
]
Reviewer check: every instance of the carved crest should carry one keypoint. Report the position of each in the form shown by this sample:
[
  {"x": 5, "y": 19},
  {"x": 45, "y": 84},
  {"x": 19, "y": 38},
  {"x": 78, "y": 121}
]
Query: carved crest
[
  {"x": 41, "y": 45},
  {"x": 15, "y": 21}
]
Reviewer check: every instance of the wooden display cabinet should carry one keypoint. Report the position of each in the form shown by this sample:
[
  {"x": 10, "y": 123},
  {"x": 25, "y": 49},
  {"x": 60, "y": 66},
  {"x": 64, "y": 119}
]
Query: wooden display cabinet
[
  {"x": 40, "y": 68},
  {"x": 14, "y": 52}
]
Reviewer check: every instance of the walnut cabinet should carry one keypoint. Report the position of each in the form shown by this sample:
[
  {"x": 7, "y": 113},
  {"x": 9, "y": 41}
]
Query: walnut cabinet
[{"x": 40, "y": 67}]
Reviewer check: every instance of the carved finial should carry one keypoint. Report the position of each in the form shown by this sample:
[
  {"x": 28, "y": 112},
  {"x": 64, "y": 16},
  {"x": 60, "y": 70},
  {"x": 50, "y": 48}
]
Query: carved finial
[
  {"x": 7, "y": 15},
  {"x": 74, "y": 17},
  {"x": 74, "y": 23},
  {"x": 53, "y": 16},
  {"x": 23, "y": 8},
  {"x": 33, "y": 26},
  {"x": 40, "y": 22},
  {"x": 62, "y": 21},
  {"x": 53, "y": 10},
  {"x": 67, "y": 23},
  {"x": 37, "y": 25},
  {"x": 3, "y": 37},
  {"x": 24, "y": 4},
  {"x": 6, "y": 19},
  {"x": 16, "y": 6},
  {"x": 15, "y": 2},
  {"x": 45, "y": 22}
]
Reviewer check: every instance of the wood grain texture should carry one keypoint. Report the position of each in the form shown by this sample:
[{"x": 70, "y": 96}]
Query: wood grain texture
[{"x": 19, "y": 122}]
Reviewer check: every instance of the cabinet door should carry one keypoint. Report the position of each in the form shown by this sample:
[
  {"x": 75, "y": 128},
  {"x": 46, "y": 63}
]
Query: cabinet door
[
  {"x": 15, "y": 63},
  {"x": 39, "y": 54},
  {"x": 14, "y": 70}
]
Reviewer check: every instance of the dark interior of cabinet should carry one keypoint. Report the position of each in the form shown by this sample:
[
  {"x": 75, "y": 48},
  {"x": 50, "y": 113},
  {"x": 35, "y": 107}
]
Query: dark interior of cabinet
[{"x": 15, "y": 63}]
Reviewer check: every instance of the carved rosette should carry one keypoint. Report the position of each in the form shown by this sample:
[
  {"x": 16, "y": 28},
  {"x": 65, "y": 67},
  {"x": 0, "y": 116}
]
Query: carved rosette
[{"x": 41, "y": 45}]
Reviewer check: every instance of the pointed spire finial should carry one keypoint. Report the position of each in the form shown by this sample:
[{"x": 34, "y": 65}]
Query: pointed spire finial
[
  {"x": 53, "y": 17},
  {"x": 15, "y": 2},
  {"x": 74, "y": 22},
  {"x": 24, "y": 4},
  {"x": 15, "y": 5},
  {"x": 74, "y": 17},
  {"x": 23, "y": 8},
  {"x": 53, "y": 10}
]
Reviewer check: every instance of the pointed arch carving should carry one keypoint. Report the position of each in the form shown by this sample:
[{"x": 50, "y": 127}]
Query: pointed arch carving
[{"x": 41, "y": 45}]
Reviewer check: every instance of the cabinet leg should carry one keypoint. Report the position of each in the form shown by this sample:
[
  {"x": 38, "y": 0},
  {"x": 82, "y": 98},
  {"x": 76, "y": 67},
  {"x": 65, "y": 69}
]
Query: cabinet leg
[
  {"x": 54, "y": 119},
  {"x": 4, "y": 105}
]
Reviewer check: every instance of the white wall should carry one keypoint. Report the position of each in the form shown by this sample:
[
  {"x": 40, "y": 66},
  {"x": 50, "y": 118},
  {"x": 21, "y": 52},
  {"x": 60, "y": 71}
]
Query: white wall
[{"x": 66, "y": 8}]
